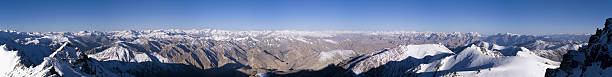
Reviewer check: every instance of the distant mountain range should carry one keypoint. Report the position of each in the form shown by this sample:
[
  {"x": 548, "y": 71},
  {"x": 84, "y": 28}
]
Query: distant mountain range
[{"x": 286, "y": 53}]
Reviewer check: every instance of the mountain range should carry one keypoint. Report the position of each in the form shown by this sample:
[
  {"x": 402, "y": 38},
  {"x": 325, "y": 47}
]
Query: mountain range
[{"x": 290, "y": 53}]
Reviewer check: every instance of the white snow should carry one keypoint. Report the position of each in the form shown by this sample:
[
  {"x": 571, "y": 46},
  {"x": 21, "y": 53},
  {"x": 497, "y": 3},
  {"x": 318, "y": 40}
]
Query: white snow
[
  {"x": 59, "y": 49},
  {"x": 525, "y": 64},
  {"x": 9, "y": 60},
  {"x": 120, "y": 54},
  {"x": 303, "y": 40},
  {"x": 473, "y": 61},
  {"x": 59, "y": 63},
  {"x": 162, "y": 58},
  {"x": 532, "y": 56},
  {"x": 330, "y": 41},
  {"x": 401, "y": 53},
  {"x": 325, "y": 56},
  {"x": 261, "y": 75},
  {"x": 242, "y": 38}
]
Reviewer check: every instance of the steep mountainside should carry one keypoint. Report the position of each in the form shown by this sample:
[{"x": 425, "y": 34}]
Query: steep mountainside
[{"x": 593, "y": 60}]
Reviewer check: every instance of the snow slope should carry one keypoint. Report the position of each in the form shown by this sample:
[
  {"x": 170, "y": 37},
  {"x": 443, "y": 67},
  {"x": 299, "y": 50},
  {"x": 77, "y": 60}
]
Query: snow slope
[
  {"x": 471, "y": 62},
  {"x": 401, "y": 53},
  {"x": 120, "y": 54},
  {"x": 60, "y": 63},
  {"x": 9, "y": 60},
  {"x": 437, "y": 60}
]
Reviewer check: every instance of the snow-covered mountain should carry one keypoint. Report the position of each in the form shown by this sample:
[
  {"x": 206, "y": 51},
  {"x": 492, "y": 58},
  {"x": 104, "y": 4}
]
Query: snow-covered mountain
[
  {"x": 476, "y": 60},
  {"x": 277, "y": 53},
  {"x": 66, "y": 61},
  {"x": 593, "y": 60},
  {"x": 473, "y": 61}
]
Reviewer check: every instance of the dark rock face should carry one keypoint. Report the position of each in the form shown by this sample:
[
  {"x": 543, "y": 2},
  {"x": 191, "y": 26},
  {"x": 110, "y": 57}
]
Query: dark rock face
[{"x": 591, "y": 60}]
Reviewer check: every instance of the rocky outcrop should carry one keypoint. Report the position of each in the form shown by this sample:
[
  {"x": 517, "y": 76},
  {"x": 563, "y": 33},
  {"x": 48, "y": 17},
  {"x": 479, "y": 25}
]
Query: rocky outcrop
[{"x": 593, "y": 60}]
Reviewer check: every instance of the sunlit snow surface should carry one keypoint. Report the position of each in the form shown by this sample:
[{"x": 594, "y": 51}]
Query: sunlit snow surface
[
  {"x": 525, "y": 64},
  {"x": 120, "y": 54},
  {"x": 415, "y": 51},
  {"x": 471, "y": 62},
  {"x": 9, "y": 61}
]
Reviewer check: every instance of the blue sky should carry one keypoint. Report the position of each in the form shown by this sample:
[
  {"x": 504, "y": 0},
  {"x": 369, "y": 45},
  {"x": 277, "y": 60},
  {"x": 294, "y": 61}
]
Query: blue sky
[{"x": 485, "y": 16}]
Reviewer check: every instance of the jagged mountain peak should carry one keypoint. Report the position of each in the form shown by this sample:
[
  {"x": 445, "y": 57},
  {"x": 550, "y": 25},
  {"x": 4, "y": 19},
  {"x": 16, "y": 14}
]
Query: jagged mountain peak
[
  {"x": 608, "y": 22},
  {"x": 593, "y": 60}
]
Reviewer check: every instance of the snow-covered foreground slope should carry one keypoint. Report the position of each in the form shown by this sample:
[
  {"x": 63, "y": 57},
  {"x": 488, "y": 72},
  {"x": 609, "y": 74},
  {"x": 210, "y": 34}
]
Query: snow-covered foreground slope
[
  {"x": 9, "y": 60},
  {"x": 471, "y": 62},
  {"x": 436, "y": 60},
  {"x": 59, "y": 63},
  {"x": 67, "y": 61}
]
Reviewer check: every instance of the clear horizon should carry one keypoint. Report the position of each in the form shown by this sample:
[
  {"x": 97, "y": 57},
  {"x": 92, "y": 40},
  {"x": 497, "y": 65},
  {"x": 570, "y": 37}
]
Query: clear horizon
[{"x": 482, "y": 16}]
